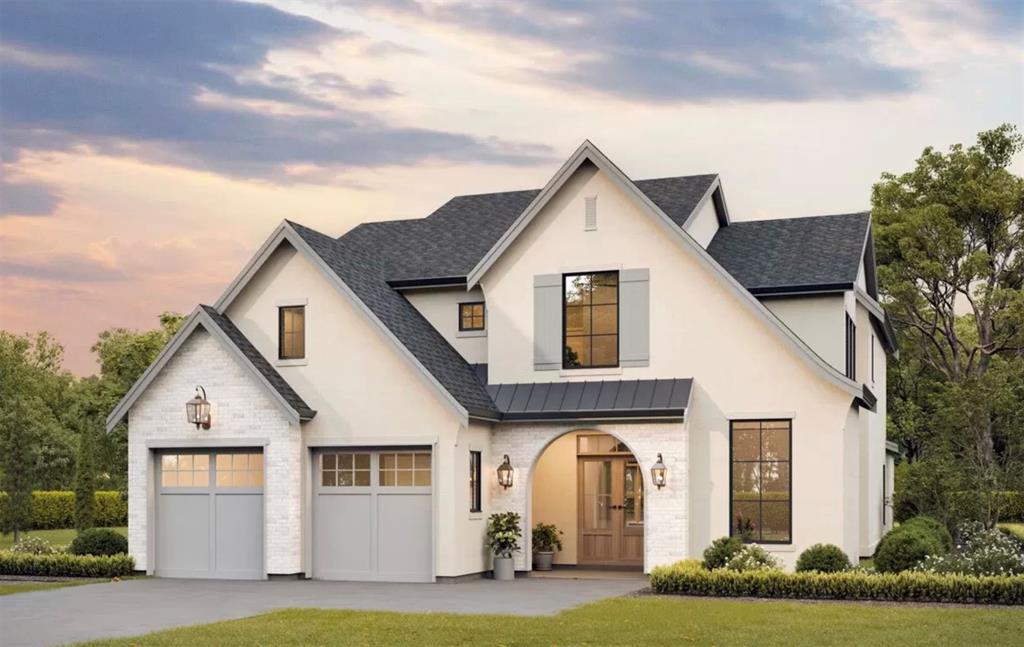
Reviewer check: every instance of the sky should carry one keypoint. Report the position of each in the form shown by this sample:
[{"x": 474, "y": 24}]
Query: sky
[{"x": 147, "y": 148}]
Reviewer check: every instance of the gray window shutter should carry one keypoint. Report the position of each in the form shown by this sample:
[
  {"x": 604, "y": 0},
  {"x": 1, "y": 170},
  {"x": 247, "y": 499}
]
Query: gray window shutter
[
  {"x": 547, "y": 322},
  {"x": 635, "y": 317}
]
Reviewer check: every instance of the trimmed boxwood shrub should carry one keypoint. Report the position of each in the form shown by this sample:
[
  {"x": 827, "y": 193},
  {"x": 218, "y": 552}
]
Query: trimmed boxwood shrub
[
  {"x": 904, "y": 548},
  {"x": 689, "y": 578},
  {"x": 824, "y": 558},
  {"x": 99, "y": 541},
  {"x": 65, "y": 565},
  {"x": 721, "y": 550},
  {"x": 936, "y": 528},
  {"x": 56, "y": 509}
]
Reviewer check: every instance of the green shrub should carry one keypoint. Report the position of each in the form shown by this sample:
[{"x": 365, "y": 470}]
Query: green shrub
[
  {"x": 34, "y": 546},
  {"x": 752, "y": 557},
  {"x": 546, "y": 538},
  {"x": 99, "y": 541},
  {"x": 687, "y": 578},
  {"x": 503, "y": 533},
  {"x": 721, "y": 550},
  {"x": 56, "y": 509},
  {"x": 904, "y": 548},
  {"x": 65, "y": 565},
  {"x": 824, "y": 558},
  {"x": 936, "y": 528}
]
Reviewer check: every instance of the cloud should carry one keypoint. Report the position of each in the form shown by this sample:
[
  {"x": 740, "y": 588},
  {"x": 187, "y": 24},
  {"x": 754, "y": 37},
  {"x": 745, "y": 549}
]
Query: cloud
[
  {"x": 74, "y": 268},
  {"x": 700, "y": 50},
  {"x": 143, "y": 69},
  {"x": 25, "y": 198}
]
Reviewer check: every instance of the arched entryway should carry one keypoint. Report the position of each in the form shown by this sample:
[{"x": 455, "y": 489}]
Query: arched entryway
[
  {"x": 589, "y": 485},
  {"x": 664, "y": 535}
]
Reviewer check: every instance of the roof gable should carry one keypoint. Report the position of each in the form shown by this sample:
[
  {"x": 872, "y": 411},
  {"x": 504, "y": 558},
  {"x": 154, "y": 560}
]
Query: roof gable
[{"x": 221, "y": 329}]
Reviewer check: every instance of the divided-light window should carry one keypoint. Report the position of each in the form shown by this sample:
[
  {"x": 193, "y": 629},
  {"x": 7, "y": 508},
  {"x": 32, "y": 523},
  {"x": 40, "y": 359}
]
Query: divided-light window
[
  {"x": 291, "y": 328},
  {"x": 471, "y": 316},
  {"x": 590, "y": 322},
  {"x": 761, "y": 508}
]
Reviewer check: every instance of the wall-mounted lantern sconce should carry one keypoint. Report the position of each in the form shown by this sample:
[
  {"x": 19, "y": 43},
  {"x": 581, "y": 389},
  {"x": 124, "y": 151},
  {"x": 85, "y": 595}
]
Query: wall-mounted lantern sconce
[
  {"x": 505, "y": 472},
  {"x": 659, "y": 473},
  {"x": 198, "y": 409}
]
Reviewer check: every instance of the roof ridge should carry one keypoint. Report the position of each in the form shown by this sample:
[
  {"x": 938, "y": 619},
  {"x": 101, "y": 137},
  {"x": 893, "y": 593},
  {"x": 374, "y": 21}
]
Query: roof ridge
[{"x": 791, "y": 218}]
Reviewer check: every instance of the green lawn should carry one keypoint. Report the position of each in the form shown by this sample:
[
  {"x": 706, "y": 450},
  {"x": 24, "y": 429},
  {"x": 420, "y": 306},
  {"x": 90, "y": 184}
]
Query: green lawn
[
  {"x": 7, "y": 588},
  {"x": 1015, "y": 528},
  {"x": 634, "y": 620},
  {"x": 58, "y": 537}
]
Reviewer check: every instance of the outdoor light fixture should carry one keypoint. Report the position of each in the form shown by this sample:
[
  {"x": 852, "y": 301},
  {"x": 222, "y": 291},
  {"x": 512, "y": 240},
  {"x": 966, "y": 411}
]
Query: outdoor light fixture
[
  {"x": 658, "y": 473},
  {"x": 198, "y": 409},
  {"x": 505, "y": 474}
]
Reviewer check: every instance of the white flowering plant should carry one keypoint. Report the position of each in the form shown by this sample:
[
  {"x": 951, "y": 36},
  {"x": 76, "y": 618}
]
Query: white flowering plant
[
  {"x": 979, "y": 551},
  {"x": 752, "y": 558}
]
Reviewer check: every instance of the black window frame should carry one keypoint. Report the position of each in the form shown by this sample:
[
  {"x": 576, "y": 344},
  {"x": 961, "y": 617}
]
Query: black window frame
[
  {"x": 851, "y": 348},
  {"x": 618, "y": 321},
  {"x": 789, "y": 532},
  {"x": 281, "y": 333},
  {"x": 483, "y": 316},
  {"x": 475, "y": 478}
]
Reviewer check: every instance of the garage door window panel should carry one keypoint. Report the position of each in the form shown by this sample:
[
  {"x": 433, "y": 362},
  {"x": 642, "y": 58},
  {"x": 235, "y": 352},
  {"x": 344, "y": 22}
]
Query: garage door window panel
[
  {"x": 345, "y": 469},
  {"x": 238, "y": 470},
  {"x": 404, "y": 469},
  {"x": 184, "y": 471}
]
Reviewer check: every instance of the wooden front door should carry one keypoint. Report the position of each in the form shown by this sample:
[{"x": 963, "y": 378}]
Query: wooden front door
[{"x": 611, "y": 515}]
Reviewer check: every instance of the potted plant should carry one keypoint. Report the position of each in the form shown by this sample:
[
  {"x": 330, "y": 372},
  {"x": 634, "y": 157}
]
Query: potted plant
[
  {"x": 503, "y": 533},
  {"x": 545, "y": 542}
]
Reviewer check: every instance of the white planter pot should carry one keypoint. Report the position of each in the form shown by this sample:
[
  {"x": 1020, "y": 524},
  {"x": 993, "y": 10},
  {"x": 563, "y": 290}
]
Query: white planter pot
[
  {"x": 504, "y": 569},
  {"x": 542, "y": 560}
]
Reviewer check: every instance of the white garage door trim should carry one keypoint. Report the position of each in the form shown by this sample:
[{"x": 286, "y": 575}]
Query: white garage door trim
[
  {"x": 364, "y": 500},
  {"x": 216, "y": 494}
]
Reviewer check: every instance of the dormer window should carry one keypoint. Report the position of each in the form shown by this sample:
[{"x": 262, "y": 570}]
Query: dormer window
[
  {"x": 291, "y": 332},
  {"x": 471, "y": 316},
  {"x": 590, "y": 325}
]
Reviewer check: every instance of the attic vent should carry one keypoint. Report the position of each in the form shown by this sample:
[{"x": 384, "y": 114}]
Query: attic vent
[{"x": 590, "y": 213}]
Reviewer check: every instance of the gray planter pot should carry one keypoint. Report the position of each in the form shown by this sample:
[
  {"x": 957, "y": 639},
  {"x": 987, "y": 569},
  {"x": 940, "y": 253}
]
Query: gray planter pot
[
  {"x": 542, "y": 560},
  {"x": 504, "y": 570}
]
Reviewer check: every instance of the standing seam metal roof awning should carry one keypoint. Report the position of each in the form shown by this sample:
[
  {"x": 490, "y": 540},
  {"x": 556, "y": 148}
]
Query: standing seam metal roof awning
[{"x": 664, "y": 398}]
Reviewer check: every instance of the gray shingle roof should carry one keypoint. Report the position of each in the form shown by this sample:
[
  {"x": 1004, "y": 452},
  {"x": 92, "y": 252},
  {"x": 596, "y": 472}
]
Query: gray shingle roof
[
  {"x": 261, "y": 364},
  {"x": 602, "y": 399},
  {"x": 793, "y": 254},
  {"x": 448, "y": 244}
]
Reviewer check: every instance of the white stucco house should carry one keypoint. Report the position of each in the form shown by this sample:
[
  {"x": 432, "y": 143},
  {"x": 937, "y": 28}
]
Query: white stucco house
[{"x": 363, "y": 390}]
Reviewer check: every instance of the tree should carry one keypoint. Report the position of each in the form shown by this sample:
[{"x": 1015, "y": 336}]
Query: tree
[
  {"x": 949, "y": 237},
  {"x": 125, "y": 354},
  {"x": 85, "y": 483}
]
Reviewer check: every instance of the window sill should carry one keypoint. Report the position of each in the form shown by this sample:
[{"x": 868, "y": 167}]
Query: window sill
[
  {"x": 471, "y": 333},
  {"x": 586, "y": 372},
  {"x": 777, "y": 548},
  {"x": 291, "y": 362},
  {"x": 476, "y": 516}
]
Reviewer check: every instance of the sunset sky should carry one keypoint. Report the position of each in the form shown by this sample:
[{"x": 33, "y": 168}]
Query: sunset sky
[{"x": 148, "y": 148}]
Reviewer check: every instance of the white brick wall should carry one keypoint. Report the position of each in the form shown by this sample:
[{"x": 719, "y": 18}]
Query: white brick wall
[
  {"x": 665, "y": 524},
  {"x": 242, "y": 409}
]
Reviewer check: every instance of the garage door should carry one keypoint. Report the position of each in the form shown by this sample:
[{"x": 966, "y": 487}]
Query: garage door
[
  {"x": 372, "y": 515},
  {"x": 210, "y": 514}
]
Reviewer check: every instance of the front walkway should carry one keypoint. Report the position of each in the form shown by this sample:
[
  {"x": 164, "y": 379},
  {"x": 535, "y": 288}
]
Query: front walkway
[{"x": 140, "y": 606}]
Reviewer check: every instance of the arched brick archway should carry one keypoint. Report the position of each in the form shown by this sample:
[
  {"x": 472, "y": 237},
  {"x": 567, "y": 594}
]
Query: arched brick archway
[{"x": 665, "y": 510}]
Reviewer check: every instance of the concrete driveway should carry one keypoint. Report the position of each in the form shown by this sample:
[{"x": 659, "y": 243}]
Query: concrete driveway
[{"x": 140, "y": 606}]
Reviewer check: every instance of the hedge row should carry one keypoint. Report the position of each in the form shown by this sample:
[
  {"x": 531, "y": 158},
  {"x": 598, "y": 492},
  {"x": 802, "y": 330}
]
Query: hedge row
[
  {"x": 56, "y": 509},
  {"x": 690, "y": 578},
  {"x": 65, "y": 565}
]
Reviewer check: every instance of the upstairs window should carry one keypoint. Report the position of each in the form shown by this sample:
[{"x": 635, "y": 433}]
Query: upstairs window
[
  {"x": 291, "y": 329},
  {"x": 471, "y": 316},
  {"x": 851, "y": 349},
  {"x": 590, "y": 322}
]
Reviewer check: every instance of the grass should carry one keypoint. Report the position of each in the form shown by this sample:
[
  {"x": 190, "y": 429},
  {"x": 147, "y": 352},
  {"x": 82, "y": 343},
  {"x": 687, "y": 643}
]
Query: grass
[
  {"x": 58, "y": 537},
  {"x": 9, "y": 588},
  {"x": 1015, "y": 528},
  {"x": 633, "y": 620}
]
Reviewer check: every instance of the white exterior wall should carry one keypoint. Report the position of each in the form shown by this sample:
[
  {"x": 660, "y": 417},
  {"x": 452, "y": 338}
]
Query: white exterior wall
[
  {"x": 704, "y": 225},
  {"x": 440, "y": 306},
  {"x": 818, "y": 320},
  {"x": 873, "y": 441},
  {"x": 242, "y": 411},
  {"x": 665, "y": 521},
  {"x": 699, "y": 329},
  {"x": 365, "y": 393}
]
